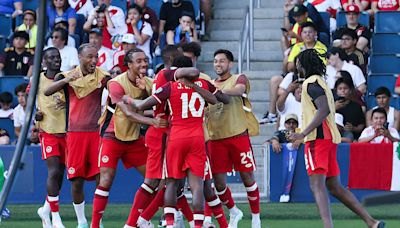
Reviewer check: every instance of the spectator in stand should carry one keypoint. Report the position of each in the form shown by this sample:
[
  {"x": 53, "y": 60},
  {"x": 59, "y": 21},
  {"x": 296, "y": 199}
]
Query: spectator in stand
[
  {"x": 385, "y": 5},
  {"x": 69, "y": 55},
  {"x": 128, "y": 43},
  {"x": 149, "y": 16},
  {"x": 140, "y": 29},
  {"x": 352, "y": 115},
  {"x": 17, "y": 60},
  {"x": 61, "y": 23},
  {"x": 292, "y": 35},
  {"x": 340, "y": 126},
  {"x": 100, "y": 18},
  {"x": 291, "y": 122},
  {"x": 382, "y": 97},
  {"x": 81, "y": 6},
  {"x": 6, "y": 100},
  {"x": 115, "y": 22},
  {"x": 29, "y": 26},
  {"x": 183, "y": 33},
  {"x": 61, "y": 8},
  {"x": 329, "y": 6},
  {"x": 379, "y": 131},
  {"x": 356, "y": 95},
  {"x": 308, "y": 34},
  {"x": 19, "y": 111},
  {"x": 170, "y": 13},
  {"x": 289, "y": 102},
  {"x": 363, "y": 5},
  {"x": 4, "y": 137},
  {"x": 105, "y": 60},
  {"x": 13, "y": 7},
  {"x": 363, "y": 33},
  {"x": 337, "y": 61},
  {"x": 355, "y": 55}
]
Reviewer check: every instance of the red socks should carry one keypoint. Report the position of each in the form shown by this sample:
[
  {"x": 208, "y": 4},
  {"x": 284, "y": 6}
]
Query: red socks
[
  {"x": 169, "y": 213},
  {"x": 226, "y": 198},
  {"x": 253, "y": 195},
  {"x": 156, "y": 203},
  {"x": 215, "y": 205},
  {"x": 183, "y": 205},
  {"x": 143, "y": 197},
  {"x": 99, "y": 205},
  {"x": 53, "y": 201},
  {"x": 198, "y": 217}
]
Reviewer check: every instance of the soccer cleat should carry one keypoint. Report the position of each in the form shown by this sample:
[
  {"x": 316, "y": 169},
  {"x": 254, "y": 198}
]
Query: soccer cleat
[
  {"x": 207, "y": 224},
  {"x": 58, "y": 225},
  {"x": 255, "y": 223},
  {"x": 84, "y": 225},
  {"x": 179, "y": 220},
  {"x": 5, "y": 214},
  {"x": 234, "y": 218},
  {"x": 143, "y": 223},
  {"x": 268, "y": 118},
  {"x": 381, "y": 224},
  {"x": 284, "y": 199},
  {"x": 46, "y": 223}
]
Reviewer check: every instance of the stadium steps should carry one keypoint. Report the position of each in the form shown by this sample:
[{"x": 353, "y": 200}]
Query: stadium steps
[{"x": 265, "y": 60}]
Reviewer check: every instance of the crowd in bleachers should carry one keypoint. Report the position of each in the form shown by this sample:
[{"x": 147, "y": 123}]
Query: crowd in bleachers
[
  {"x": 114, "y": 27},
  {"x": 356, "y": 41}
]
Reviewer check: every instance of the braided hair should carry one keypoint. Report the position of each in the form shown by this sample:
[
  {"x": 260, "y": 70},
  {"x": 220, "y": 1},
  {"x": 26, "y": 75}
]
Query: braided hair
[{"x": 311, "y": 63}]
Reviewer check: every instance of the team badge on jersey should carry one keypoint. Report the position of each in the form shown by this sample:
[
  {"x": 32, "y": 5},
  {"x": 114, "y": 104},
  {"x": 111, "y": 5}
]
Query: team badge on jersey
[
  {"x": 105, "y": 159},
  {"x": 71, "y": 170},
  {"x": 49, "y": 149}
]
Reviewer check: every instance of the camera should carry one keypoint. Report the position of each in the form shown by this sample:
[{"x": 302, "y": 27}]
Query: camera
[
  {"x": 386, "y": 125},
  {"x": 102, "y": 8}
]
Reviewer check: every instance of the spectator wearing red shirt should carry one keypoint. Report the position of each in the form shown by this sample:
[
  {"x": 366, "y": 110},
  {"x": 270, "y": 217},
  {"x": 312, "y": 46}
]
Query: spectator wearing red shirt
[
  {"x": 128, "y": 43},
  {"x": 363, "y": 5},
  {"x": 385, "y": 5}
]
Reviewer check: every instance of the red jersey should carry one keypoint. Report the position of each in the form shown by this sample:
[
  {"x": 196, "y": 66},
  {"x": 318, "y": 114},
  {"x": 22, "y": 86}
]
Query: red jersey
[
  {"x": 162, "y": 78},
  {"x": 186, "y": 106}
]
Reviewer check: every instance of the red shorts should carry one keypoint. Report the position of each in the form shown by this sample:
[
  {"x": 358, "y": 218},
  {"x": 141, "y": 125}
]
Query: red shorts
[
  {"x": 52, "y": 146},
  {"x": 83, "y": 153},
  {"x": 231, "y": 153},
  {"x": 155, "y": 142},
  {"x": 320, "y": 158},
  {"x": 184, "y": 154},
  {"x": 132, "y": 154}
]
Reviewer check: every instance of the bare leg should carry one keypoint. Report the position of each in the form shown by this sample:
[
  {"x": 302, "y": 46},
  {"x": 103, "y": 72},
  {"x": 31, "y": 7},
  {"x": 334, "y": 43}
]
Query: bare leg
[{"x": 317, "y": 184}]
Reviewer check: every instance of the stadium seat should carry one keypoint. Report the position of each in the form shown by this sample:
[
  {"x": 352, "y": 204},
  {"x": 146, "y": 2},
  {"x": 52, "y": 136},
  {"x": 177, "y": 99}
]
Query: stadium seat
[
  {"x": 121, "y": 4},
  {"x": 31, "y": 4},
  {"x": 8, "y": 125},
  {"x": 3, "y": 44},
  {"x": 394, "y": 101},
  {"x": 341, "y": 19},
  {"x": 387, "y": 22},
  {"x": 384, "y": 64},
  {"x": 8, "y": 84},
  {"x": 377, "y": 80},
  {"x": 386, "y": 43},
  {"x": 5, "y": 25},
  {"x": 324, "y": 37}
]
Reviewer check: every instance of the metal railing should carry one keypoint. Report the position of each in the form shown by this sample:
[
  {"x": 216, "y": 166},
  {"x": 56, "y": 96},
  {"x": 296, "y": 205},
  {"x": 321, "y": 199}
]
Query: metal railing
[{"x": 246, "y": 40}]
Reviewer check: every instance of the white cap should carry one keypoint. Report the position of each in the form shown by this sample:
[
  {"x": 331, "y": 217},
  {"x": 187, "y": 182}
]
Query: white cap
[
  {"x": 128, "y": 38},
  {"x": 339, "y": 119}
]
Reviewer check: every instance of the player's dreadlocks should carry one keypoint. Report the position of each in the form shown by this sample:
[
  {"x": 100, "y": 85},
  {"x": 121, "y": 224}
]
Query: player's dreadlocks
[{"x": 311, "y": 62}]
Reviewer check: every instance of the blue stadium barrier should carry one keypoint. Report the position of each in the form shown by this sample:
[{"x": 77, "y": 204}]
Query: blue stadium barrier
[
  {"x": 371, "y": 102},
  {"x": 31, "y": 4},
  {"x": 300, "y": 187},
  {"x": 8, "y": 84},
  {"x": 387, "y": 22},
  {"x": 8, "y": 125},
  {"x": 385, "y": 64},
  {"x": 386, "y": 43},
  {"x": 341, "y": 19},
  {"x": 377, "y": 80},
  {"x": 5, "y": 25}
]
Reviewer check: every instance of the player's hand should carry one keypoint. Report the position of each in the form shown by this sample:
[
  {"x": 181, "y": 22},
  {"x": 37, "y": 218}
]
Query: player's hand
[
  {"x": 296, "y": 144},
  {"x": 296, "y": 136},
  {"x": 126, "y": 99},
  {"x": 292, "y": 86},
  {"x": 141, "y": 82},
  {"x": 159, "y": 122},
  {"x": 72, "y": 77},
  {"x": 39, "y": 116},
  {"x": 276, "y": 146}
]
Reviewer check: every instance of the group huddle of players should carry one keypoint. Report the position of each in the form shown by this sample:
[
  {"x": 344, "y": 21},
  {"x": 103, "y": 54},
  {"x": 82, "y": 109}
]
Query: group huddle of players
[{"x": 198, "y": 130}]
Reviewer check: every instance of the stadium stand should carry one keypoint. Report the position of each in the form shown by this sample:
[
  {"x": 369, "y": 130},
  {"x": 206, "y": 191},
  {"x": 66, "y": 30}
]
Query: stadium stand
[
  {"x": 5, "y": 25},
  {"x": 387, "y": 22},
  {"x": 341, "y": 19},
  {"x": 377, "y": 80},
  {"x": 324, "y": 37},
  {"x": 8, "y": 125},
  {"x": 8, "y": 84},
  {"x": 382, "y": 43}
]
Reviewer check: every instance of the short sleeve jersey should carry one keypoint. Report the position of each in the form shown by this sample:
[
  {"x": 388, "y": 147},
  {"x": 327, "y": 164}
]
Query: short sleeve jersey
[
  {"x": 387, "y": 5},
  {"x": 361, "y": 31},
  {"x": 187, "y": 107},
  {"x": 162, "y": 78},
  {"x": 16, "y": 64},
  {"x": 299, "y": 47},
  {"x": 171, "y": 14}
]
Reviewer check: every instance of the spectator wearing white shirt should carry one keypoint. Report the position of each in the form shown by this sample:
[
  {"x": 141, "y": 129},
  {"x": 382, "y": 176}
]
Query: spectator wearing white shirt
[
  {"x": 115, "y": 20},
  {"x": 81, "y": 6},
  {"x": 61, "y": 23},
  {"x": 128, "y": 43},
  {"x": 337, "y": 61},
  {"x": 105, "y": 60},
  {"x": 69, "y": 55},
  {"x": 379, "y": 131},
  {"x": 19, "y": 111},
  {"x": 289, "y": 102},
  {"x": 6, "y": 100}
]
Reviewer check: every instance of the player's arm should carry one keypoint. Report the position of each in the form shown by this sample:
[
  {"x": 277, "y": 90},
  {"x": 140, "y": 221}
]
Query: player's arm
[
  {"x": 190, "y": 73},
  {"x": 206, "y": 94},
  {"x": 139, "y": 105},
  {"x": 222, "y": 97},
  {"x": 58, "y": 84},
  {"x": 239, "y": 89},
  {"x": 138, "y": 118}
]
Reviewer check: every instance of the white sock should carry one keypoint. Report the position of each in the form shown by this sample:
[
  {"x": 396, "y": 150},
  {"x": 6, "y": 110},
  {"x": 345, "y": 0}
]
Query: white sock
[
  {"x": 234, "y": 210},
  {"x": 255, "y": 216},
  {"x": 80, "y": 212},
  {"x": 46, "y": 207},
  {"x": 207, "y": 219},
  {"x": 55, "y": 217},
  {"x": 191, "y": 224}
]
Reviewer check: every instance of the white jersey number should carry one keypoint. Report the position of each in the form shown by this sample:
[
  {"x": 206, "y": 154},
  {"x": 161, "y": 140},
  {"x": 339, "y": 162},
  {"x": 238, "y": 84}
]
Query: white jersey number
[{"x": 190, "y": 105}]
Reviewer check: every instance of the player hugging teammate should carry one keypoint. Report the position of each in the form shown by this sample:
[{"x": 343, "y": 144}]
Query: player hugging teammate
[{"x": 180, "y": 144}]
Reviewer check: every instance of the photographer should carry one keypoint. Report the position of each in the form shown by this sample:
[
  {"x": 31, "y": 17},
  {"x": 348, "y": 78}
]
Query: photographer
[
  {"x": 353, "y": 116},
  {"x": 291, "y": 123},
  {"x": 379, "y": 131}
]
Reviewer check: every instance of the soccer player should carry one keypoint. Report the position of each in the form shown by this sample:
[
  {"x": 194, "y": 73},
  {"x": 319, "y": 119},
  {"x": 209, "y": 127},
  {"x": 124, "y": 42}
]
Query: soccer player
[
  {"x": 120, "y": 130},
  {"x": 185, "y": 154},
  {"x": 51, "y": 122},
  {"x": 321, "y": 136},
  {"x": 229, "y": 145},
  {"x": 83, "y": 87}
]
